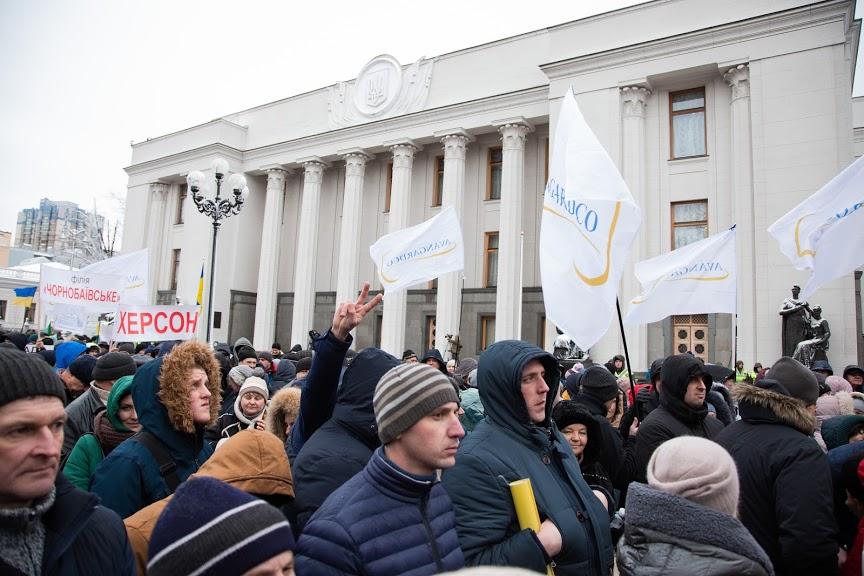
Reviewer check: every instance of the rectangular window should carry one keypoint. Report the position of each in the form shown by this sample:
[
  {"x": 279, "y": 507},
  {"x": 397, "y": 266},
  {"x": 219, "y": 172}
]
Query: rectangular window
[
  {"x": 689, "y": 222},
  {"x": 30, "y": 313},
  {"x": 490, "y": 260},
  {"x": 487, "y": 331},
  {"x": 217, "y": 320},
  {"x": 389, "y": 187},
  {"x": 181, "y": 201},
  {"x": 493, "y": 173},
  {"x": 429, "y": 333},
  {"x": 438, "y": 182},
  {"x": 2, "y": 309},
  {"x": 175, "y": 269},
  {"x": 687, "y": 123}
]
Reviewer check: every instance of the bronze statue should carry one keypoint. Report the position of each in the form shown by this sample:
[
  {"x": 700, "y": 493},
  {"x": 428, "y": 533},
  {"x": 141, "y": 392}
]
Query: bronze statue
[
  {"x": 814, "y": 348},
  {"x": 796, "y": 321}
]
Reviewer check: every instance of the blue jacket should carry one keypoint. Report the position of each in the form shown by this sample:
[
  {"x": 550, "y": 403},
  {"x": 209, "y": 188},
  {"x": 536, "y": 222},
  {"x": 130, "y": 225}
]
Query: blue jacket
[
  {"x": 344, "y": 444},
  {"x": 319, "y": 389},
  {"x": 81, "y": 537},
  {"x": 128, "y": 479},
  {"x": 508, "y": 446},
  {"x": 382, "y": 522}
]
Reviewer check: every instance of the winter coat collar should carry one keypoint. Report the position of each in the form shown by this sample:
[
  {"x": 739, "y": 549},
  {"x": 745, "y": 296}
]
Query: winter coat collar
[
  {"x": 63, "y": 522},
  {"x": 650, "y": 509},
  {"x": 394, "y": 481},
  {"x": 769, "y": 406}
]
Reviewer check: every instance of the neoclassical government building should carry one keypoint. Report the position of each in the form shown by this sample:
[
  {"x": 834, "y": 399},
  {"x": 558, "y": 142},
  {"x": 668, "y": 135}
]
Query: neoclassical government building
[{"x": 716, "y": 113}]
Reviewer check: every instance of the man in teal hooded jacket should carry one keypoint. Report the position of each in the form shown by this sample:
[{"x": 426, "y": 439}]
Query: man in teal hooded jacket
[{"x": 518, "y": 383}]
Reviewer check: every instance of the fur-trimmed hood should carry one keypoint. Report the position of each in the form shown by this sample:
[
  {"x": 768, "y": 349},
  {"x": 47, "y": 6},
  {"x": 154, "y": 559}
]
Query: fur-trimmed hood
[
  {"x": 770, "y": 405},
  {"x": 285, "y": 401}
]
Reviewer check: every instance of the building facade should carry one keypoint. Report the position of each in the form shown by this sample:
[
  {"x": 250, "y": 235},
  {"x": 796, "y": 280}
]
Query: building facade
[
  {"x": 61, "y": 230},
  {"x": 715, "y": 113}
]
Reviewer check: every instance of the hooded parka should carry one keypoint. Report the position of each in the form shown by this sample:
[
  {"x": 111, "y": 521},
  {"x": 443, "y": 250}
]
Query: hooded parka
[
  {"x": 129, "y": 479},
  {"x": 507, "y": 446},
  {"x": 250, "y": 461},
  {"x": 343, "y": 445},
  {"x": 667, "y": 534},
  {"x": 108, "y": 433},
  {"x": 786, "y": 496},
  {"x": 674, "y": 418}
]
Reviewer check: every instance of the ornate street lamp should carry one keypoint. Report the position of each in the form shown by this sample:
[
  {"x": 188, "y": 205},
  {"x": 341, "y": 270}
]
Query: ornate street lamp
[{"x": 218, "y": 209}]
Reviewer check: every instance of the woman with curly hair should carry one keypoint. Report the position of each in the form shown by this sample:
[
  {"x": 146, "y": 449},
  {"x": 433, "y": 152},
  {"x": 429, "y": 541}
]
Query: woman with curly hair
[{"x": 176, "y": 396}]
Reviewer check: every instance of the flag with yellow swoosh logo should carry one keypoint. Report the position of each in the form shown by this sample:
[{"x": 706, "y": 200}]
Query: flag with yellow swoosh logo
[
  {"x": 419, "y": 253},
  {"x": 589, "y": 222},
  {"x": 823, "y": 233},
  {"x": 698, "y": 278}
]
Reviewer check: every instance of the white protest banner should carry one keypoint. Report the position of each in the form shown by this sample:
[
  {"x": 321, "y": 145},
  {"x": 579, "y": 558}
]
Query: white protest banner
[
  {"x": 695, "y": 279},
  {"x": 134, "y": 267},
  {"x": 69, "y": 317},
  {"x": 823, "y": 233},
  {"x": 589, "y": 222},
  {"x": 95, "y": 293},
  {"x": 420, "y": 253},
  {"x": 155, "y": 323}
]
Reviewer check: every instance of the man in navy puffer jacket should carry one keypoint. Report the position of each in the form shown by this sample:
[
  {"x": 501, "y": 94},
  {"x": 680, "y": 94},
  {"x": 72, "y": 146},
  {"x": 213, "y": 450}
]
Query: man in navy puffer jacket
[{"x": 394, "y": 517}]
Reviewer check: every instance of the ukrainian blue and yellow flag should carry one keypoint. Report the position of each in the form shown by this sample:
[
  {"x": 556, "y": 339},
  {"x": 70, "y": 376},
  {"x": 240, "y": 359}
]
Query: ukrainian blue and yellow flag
[
  {"x": 24, "y": 296},
  {"x": 200, "y": 296}
]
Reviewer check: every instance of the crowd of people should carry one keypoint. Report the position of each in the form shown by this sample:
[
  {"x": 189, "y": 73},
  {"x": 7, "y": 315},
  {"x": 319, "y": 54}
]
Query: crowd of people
[{"x": 185, "y": 458}]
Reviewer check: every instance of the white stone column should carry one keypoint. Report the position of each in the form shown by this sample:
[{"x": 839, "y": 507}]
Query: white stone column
[
  {"x": 508, "y": 306},
  {"x": 347, "y": 282},
  {"x": 156, "y": 234},
  {"x": 268, "y": 267},
  {"x": 743, "y": 208},
  {"x": 307, "y": 252},
  {"x": 633, "y": 103},
  {"x": 449, "y": 299},
  {"x": 393, "y": 322}
]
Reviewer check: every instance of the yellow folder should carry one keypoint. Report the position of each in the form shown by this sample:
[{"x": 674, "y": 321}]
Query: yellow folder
[{"x": 526, "y": 508}]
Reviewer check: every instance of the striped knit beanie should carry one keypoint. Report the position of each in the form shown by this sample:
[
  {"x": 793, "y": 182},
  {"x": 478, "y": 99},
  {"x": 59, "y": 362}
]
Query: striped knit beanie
[
  {"x": 407, "y": 393},
  {"x": 211, "y": 528}
]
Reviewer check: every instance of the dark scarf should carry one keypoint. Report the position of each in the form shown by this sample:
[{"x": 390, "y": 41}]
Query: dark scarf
[{"x": 108, "y": 436}]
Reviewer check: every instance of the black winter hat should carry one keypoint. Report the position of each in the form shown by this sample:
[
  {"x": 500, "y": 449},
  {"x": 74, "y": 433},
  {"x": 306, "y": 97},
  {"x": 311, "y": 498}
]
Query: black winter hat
[
  {"x": 24, "y": 375},
  {"x": 304, "y": 364},
  {"x": 244, "y": 352},
  {"x": 114, "y": 365},
  {"x": 82, "y": 368},
  {"x": 599, "y": 383}
]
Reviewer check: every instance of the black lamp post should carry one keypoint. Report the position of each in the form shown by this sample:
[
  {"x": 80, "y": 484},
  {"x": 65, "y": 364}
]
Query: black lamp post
[{"x": 218, "y": 209}]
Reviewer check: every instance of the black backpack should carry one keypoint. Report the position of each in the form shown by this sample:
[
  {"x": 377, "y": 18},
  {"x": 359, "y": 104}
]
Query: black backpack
[{"x": 157, "y": 449}]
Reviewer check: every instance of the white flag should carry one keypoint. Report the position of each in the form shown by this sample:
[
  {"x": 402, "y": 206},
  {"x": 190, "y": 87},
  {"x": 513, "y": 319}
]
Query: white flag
[
  {"x": 696, "y": 279},
  {"x": 419, "y": 253},
  {"x": 589, "y": 222},
  {"x": 824, "y": 233},
  {"x": 134, "y": 267}
]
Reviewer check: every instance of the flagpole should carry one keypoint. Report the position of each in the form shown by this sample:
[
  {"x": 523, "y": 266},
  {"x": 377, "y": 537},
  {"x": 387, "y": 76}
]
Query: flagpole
[{"x": 626, "y": 353}]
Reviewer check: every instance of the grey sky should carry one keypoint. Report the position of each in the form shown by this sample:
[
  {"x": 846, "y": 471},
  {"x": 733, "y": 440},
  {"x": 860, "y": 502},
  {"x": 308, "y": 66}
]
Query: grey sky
[{"x": 80, "y": 79}]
